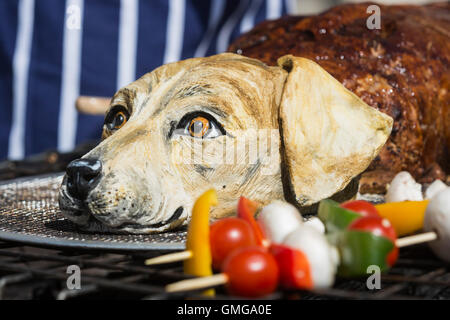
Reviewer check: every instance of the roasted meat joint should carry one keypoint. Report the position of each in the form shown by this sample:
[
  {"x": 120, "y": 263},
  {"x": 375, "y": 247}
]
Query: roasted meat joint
[
  {"x": 401, "y": 69},
  {"x": 272, "y": 152}
]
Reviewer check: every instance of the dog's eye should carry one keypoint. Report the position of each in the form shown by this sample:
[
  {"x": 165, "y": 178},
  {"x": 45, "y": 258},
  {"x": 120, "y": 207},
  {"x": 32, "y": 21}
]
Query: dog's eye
[
  {"x": 200, "y": 125},
  {"x": 116, "y": 118},
  {"x": 119, "y": 120}
]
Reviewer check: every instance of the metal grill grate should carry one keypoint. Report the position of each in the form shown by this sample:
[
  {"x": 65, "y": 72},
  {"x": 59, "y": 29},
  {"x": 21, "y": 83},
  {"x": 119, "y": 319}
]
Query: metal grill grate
[{"x": 40, "y": 273}]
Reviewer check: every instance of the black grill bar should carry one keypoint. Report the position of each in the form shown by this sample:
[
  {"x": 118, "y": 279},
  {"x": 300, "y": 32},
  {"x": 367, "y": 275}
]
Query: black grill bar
[
  {"x": 13, "y": 279},
  {"x": 106, "y": 264},
  {"x": 112, "y": 284},
  {"x": 400, "y": 286},
  {"x": 348, "y": 294},
  {"x": 67, "y": 294},
  {"x": 420, "y": 280},
  {"x": 34, "y": 273}
]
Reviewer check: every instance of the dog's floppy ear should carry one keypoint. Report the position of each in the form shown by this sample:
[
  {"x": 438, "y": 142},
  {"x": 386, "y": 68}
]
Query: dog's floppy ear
[{"x": 329, "y": 135}]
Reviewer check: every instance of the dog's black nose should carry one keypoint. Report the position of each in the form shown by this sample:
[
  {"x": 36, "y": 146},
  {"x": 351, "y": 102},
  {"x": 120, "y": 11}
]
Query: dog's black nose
[{"x": 82, "y": 176}]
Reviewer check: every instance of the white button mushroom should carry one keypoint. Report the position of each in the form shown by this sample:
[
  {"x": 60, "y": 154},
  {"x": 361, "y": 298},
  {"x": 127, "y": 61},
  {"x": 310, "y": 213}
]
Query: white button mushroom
[
  {"x": 278, "y": 219},
  {"x": 315, "y": 223},
  {"x": 403, "y": 188},
  {"x": 321, "y": 255},
  {"x": 434, "y": 188},
  {"x": 437, "y": 219}
]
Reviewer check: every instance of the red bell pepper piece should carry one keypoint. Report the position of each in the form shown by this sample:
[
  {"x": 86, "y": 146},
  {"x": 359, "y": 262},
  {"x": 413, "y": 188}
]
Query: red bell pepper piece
[
  {"x": 295, "y": 272},
  {"x": 246, "y": 210}
]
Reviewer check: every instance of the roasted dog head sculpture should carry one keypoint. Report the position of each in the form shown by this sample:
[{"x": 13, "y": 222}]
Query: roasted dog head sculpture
[{"x": 225, "y": 122}]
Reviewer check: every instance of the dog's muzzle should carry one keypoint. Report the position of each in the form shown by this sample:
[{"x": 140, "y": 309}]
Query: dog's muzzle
[
  {"x": 79, "y": 201},
  {"x": 82, "y": 176}
]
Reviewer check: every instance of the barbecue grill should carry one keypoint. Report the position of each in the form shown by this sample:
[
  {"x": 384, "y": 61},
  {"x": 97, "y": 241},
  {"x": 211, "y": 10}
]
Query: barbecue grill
[
  {"x": 112, "y": 266},
  {"x": 28, "y": 272}
]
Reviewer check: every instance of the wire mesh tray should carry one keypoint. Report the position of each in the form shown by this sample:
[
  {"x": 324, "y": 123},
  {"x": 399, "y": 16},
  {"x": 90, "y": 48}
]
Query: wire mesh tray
[{"x": 29, "y": 213}]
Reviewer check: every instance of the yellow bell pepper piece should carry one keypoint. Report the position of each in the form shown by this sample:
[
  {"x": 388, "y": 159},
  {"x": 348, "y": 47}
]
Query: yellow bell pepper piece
[
  {"x": 406, "y": 217},
  {"x": 198, "y": 238}
]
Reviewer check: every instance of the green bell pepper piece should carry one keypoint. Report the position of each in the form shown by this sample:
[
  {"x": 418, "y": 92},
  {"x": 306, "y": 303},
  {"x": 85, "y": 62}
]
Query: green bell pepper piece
[
  {"x": 359, "y": 249},
  {"x": 335, "y": 217}
]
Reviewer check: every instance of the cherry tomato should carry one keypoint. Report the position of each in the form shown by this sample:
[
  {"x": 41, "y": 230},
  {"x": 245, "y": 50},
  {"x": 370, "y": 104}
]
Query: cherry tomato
[
  {"x": 366, "y": 209},
  {"x": 294, "y": 267},
  {"x": 227, "y": 235},
  {"x": 379, "y": 227},
  {"x": 252, "y": 272}
]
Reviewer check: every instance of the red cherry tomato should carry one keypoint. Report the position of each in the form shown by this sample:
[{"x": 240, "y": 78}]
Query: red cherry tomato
[
  {"x": 227, "y": 235},
  {"x": 294, "y": 267},
  {"x": 380, "y": 227},
  {"x": 366, "y": 209},
  {"x": 252, "y": 272}
]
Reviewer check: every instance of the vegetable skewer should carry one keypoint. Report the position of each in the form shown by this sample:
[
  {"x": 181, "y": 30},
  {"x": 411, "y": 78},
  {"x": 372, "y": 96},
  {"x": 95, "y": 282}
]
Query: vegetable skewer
[
  {"x": 400, "y": 243},
  {"x": 302, "y": 271},
  {"x": 355, "y": 226},
  {"x": 295, "y": 263},
  {"x": 247, "y": 272},
  {"x": 289, "y": 214}
]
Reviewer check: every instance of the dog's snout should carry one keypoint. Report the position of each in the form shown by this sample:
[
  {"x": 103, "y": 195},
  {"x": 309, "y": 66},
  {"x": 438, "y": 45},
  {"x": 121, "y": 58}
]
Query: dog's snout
[{"x": 82, "y": 176}]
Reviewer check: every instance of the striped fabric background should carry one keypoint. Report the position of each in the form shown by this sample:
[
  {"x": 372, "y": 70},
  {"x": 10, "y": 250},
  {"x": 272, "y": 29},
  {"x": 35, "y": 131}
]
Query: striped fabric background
[{"x": 52, "y": 51}]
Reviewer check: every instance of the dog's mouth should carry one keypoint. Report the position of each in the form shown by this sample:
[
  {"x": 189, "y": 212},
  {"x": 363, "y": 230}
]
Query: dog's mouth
[
  {"x": 79, "y": 213},
  {"x": 95, "y": 225},
  {"x": 174, "y": 218}
]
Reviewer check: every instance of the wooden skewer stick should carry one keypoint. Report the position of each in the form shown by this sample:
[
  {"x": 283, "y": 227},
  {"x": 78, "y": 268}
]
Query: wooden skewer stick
[
  {"x": 168, "y": 258},
  {"x": 184, "y": 255},
  {"x": 415, "y": 239},
  {"x": 198, "y": 283}
]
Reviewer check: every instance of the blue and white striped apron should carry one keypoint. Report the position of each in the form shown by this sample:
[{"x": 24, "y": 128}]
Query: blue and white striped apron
[{"x": 52, "y": 51}]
